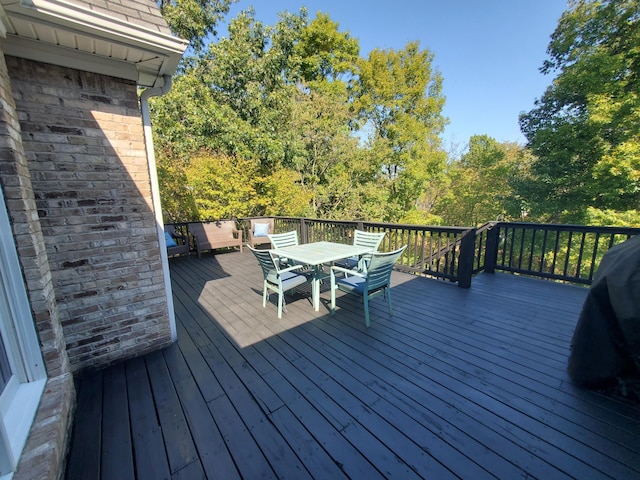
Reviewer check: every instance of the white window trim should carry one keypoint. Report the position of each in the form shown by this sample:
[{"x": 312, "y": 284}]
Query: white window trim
[{"x": 20, "y": 398}]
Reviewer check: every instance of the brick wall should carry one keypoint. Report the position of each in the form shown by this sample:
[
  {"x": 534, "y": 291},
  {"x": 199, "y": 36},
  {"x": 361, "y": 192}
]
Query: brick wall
[
  {"x": 46, "y": 447},
  {"x": 43, "y": 457},
  {"x": 82, "y": 134},
  {"x": 20, "y": 200}
]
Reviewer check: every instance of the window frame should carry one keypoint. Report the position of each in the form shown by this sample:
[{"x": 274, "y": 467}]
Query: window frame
[{"x": 20, "y": 398}]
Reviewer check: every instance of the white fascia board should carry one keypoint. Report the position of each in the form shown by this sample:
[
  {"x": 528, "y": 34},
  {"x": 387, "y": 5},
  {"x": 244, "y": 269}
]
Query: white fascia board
[
  {"x": 74, "y": 18},
  {"x": 56, "y": 55},
  {"x": 68, "y": 17}
]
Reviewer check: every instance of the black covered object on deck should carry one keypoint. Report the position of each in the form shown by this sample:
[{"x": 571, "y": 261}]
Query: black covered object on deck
[{"x": 606, "y": 341}]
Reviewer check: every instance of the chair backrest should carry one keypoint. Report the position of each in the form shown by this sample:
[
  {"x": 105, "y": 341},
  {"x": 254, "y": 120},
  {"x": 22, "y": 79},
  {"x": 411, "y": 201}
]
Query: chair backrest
[
  {"x": 368, "y": 239},
  {"x": 209, "y": 230},
  {"x": 380, "y": 267},
  {"x": 170, "y": 229},
  {"x": 265, "y": 260},
  {"x": 280, "y": 240},
  {"x": 268, "y": 221}
]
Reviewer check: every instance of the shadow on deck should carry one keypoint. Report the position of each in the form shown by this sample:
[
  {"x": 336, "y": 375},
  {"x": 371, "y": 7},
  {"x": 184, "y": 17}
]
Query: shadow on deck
[{"x": 459, "y": 383}]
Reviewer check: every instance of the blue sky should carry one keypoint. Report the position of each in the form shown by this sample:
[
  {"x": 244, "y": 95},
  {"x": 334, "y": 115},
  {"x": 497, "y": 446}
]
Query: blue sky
[{"x": 488, "y": 51}]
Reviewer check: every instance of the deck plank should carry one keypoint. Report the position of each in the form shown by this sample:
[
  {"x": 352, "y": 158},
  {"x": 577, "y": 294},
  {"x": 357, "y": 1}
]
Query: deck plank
[
  {"x": 212, "y": 450},
  {"x": 179, "y": 445},
  {"x": 151, "y": 458},
  {"x": 85, "y": 451},
  {"x": 117, "y": 454},
  {"x": 458, "y": 383}
]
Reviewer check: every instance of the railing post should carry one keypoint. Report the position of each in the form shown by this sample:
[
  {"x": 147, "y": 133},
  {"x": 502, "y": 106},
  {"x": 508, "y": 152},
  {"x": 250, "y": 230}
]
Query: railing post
[
  {"x": 467, "y": 255},
  {"x": 304, "y": 231},
  {"x": 491, "y": 249}
]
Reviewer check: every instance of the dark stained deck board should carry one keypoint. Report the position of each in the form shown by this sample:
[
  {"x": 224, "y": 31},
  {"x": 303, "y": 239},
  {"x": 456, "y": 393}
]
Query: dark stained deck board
[
  {"x": 499, "y": 387},
  {"x": 117, "y": 455},
  {"x": 390, "y": 464},
  {"x": 361, "y": 436},
  {"x": 565, "y": 356},
  {"x": 459, "y": 463},
  {"x": 212, "y": 450},
  {"x": 482, "y": 406},
  {"x": 181, "y": 451},
  {"x": 267, "y": 399},
  {"x": 151, "y": 458},
  {"x": 85, "y": 462},
  {"x": 458, "y": 383},
  {"x": 411, "y": 399}
]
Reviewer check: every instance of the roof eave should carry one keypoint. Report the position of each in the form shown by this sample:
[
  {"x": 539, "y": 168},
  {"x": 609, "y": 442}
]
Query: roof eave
[{"x": 161, "y": 52}]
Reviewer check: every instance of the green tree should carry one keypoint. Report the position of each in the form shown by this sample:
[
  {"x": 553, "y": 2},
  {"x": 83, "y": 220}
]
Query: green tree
[
  {"x": 324, "y": 150},
  {"x": 324, "y": 53},
  {"x": 194, "y": 20},
  {"x": 222, "y": 186},
  {"x": 323, "y": 142},
  {"x": 277, "y": 110},
  {"x": 398, "y": 95},
  {"x": 233, "y": 100},
  {"x": 630, "y": 218},
  {"x": 480, "y": 183},
  {"x": 585, "y": 130},
  {"x": 248, "y": 75}
]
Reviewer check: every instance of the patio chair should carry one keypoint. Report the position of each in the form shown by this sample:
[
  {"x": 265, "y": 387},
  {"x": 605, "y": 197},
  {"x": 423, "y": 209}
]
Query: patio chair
[
  {"x": 370, "y": 284},
  {"x": 362, "y": 239},
  {"x": 280, "y": 240},
  {"x": 287, "y": 239},
  {"x": 276, "y": 279},
  {"x": 259, "y": 230},
  {"x": 176, "y": 244}
]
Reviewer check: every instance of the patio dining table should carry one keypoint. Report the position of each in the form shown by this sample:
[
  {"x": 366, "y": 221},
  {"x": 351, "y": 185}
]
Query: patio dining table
[{"x": 316, "y": 254}]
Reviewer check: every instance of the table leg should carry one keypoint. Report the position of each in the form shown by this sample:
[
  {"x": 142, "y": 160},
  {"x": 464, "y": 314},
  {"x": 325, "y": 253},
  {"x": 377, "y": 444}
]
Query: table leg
[{"x": 315, "y": 287}]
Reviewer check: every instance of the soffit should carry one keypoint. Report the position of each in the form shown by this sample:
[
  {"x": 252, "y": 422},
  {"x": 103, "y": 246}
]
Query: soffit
[{"x": 74, "y": 35}]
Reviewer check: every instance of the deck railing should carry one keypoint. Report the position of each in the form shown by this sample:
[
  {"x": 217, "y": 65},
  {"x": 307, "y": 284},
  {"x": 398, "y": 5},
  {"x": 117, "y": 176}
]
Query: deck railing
[{"x": 570, "y": 253}]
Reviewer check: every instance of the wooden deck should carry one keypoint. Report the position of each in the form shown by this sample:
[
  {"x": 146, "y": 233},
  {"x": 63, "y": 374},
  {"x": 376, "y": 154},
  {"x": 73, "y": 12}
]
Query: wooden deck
[{"x": 459, "y": 383}]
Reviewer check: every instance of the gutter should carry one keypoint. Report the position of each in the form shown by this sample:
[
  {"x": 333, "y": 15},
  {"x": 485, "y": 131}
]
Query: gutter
[{"x": 155, "y": 193}]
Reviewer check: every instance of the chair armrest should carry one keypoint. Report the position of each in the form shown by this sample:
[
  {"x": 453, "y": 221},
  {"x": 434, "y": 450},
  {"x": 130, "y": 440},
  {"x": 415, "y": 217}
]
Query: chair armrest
[
  {"x": 289, "y": 269},
  {"x": 184, "y": 238},
  {"x": 346, "y": 270}
]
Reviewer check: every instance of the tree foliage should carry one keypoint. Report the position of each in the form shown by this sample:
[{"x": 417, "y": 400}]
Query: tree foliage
[
  {"x": 399, "y": 96},
  {"x": 585, "y": 130},
  {"x": 289, "y": 119},
  {"x": 283, "y": 104},
  {"x": 480, "y": 188},
  {"x": 194, "y": 20},
  {"x": 222, "y": 186},
  {"x": 324, "y": 53}
]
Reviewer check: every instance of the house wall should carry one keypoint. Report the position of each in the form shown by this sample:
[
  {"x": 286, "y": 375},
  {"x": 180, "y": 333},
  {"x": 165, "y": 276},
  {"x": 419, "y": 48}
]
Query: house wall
[
  {"x": 43, "y": 456},
  {"x": 84, "y": 147},
  {"x": 21, "y": 206}
]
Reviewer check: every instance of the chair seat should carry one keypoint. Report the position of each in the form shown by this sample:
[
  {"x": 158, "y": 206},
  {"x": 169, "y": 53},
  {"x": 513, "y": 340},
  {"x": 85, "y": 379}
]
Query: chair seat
[
  {"x": 275, "y": 279},
  {"x": 352, "y": 284},
  {"x": 289, "y": 279}
]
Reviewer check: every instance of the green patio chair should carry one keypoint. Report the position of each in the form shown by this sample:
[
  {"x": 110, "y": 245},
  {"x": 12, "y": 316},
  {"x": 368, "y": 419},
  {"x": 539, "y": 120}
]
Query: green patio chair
[
  {"x": 287, "y": 239},
  {"x": 276, "y": 279},
  {"x": 362, "y": 239},
  {"x": 281, "y": 240},
  {"x": 374, "y": 282}
]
